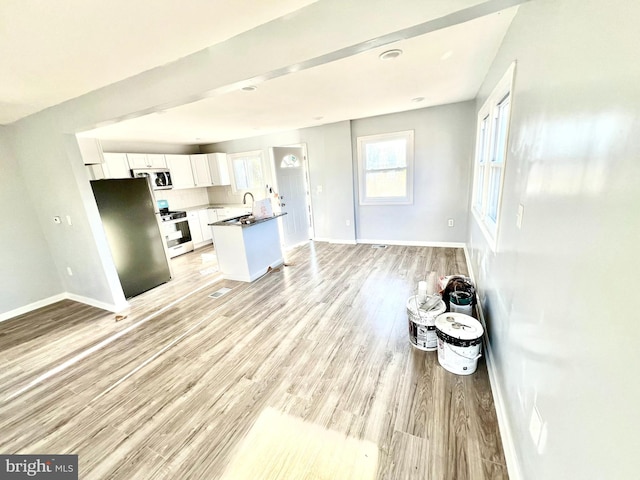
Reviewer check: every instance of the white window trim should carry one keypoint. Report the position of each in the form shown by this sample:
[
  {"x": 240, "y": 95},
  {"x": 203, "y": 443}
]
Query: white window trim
[
  {"x": 232, "y": 174},
  {"x": 408, "y": 198},
  {"x": 503, "y": 89}
]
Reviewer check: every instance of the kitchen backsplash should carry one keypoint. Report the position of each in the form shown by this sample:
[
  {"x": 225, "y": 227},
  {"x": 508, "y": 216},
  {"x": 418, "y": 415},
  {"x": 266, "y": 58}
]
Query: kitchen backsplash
[
  {"x": 225, "y": 195},
  {"x": 184, "y": 198},
  {"x": 192, "y": 197}
]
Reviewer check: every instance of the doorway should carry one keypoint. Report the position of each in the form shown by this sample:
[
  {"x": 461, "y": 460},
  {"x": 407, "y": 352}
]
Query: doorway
[{"x": 292, "y": 184}]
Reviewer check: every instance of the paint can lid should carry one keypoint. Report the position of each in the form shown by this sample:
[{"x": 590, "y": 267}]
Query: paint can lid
[
  {"x": 460, "y": 298},
  {"x": 459, "y": 326}
]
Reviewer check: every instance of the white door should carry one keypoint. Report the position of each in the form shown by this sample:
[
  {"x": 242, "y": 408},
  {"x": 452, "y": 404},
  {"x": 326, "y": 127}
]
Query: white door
[{"x": 290, "y": 165}]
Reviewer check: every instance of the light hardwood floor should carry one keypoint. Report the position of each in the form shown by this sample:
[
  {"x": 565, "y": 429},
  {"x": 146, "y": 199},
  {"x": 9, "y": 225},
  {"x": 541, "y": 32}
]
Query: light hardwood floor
[{"x": 305, "y": 373}]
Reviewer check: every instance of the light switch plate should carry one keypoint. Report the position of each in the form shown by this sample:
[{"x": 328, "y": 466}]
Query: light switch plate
[{"x": 520, "y": 215}]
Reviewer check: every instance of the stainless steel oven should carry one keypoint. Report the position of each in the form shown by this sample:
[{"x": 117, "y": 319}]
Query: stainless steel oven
[{"x": 177, "y": 236}]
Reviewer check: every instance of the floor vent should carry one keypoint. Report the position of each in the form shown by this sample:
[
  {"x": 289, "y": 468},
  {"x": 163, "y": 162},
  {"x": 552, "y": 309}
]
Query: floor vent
[
  {"x": 219, "y": 293},
  {"x": 378, "y": 246}
]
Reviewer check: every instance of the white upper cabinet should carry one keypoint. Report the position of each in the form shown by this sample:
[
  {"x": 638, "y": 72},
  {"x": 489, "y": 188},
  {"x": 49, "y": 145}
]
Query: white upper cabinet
[
  {"x": 116, "y": 165},
  {"x": 219, "y": 168},
  {"x": 181, "y": 172},
  {"x": 147, "y": 160},
  {"x": 91, "y": 150},
  {"x": 156, "y": 160},
  {"x": 201, "y": 171}
]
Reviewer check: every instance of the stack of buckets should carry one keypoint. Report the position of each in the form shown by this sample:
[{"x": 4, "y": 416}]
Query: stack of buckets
[{"x": 456, "y": 335}]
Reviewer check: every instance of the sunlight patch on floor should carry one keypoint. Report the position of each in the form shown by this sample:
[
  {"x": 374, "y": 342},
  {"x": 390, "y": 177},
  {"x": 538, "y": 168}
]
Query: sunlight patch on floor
[{"x": 280, "y": 446}]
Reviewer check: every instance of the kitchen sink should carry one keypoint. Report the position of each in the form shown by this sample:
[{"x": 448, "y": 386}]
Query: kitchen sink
[{"x": 242, "y": 220}]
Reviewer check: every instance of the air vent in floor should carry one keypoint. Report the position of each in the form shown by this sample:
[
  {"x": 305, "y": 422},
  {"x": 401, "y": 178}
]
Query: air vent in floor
[
  {"x": 219, "y": 293},
  {"x": 378, "y": 246}
]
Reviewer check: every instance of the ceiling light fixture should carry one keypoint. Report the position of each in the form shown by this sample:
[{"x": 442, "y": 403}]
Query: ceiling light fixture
[
  {"x": 250, "y": 88},
  {"x": 390, "y": 54}
]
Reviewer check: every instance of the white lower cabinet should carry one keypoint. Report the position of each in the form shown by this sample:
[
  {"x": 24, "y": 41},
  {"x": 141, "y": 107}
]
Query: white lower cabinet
[
  {"x": 199, "y": 227},
  {"x": 203, "y": 216},
  {"x": 194, "y": 227}
]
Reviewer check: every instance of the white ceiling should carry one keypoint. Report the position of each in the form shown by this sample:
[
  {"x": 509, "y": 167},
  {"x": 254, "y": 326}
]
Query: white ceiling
[
  {"x": 54, "y": 50},
  {"x": 444, "y": 66}
]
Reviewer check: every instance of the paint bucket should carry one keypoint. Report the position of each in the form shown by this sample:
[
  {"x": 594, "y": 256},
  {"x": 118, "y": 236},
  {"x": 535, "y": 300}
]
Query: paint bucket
[
  {"x": 459, "y": 342},
  {"x": 422, "y": 330},
  {"x": 461, "y": 302}
]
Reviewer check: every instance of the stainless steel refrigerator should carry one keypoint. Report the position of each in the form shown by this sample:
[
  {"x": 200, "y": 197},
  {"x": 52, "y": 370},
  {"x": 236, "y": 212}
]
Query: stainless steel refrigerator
[{"x": 127, "y": 210}]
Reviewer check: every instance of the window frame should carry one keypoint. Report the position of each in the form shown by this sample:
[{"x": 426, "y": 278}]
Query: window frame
[
  {"x": 252, "y": 153},
  {"x": 487, "y": 154},
  {"x": 362, "y": 141}
]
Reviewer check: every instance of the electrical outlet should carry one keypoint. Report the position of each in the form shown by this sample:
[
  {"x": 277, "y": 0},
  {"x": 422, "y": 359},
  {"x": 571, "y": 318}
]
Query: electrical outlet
[
  {"x": 319, "y": 189},
  {"x": 535, "y": 426},
  {"x": 348, "y": 223},
  {"x": 69, "y": 271},
  {"x": 69, "y": 220},
  {"x": 450, "y": 223}
]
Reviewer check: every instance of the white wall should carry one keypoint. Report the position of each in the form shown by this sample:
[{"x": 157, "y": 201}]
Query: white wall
[
  {"x": 560, "y": 293},
  {"x": 28, "y": 274},
  {"x": 443, "y": 143}
]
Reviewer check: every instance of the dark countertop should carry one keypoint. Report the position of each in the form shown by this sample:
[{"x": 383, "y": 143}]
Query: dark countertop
[
  {"x": 233, "y": 222},
  {"x": 216, "y": 206}
]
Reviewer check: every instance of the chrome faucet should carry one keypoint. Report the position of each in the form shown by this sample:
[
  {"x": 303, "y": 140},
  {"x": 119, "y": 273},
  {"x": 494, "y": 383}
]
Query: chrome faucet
[{"x": 244, "y": 199}]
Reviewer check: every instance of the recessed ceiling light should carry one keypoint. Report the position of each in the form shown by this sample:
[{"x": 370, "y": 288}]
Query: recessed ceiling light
[
  {"x": 417, "y": 99},
  {"x": 250, "y": 88},
  {"x": 446, "y": 55},
  {"x": 390, "y": 54}
]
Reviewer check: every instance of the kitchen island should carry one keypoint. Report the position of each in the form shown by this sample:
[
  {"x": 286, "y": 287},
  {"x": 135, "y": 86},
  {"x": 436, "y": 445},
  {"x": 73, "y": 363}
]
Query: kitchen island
[{"x": 245, "y": 251}]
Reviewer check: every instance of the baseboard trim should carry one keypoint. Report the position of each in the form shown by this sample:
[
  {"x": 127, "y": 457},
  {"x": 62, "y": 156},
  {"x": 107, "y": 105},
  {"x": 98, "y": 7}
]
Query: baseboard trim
[
  {"x": 32, "y": 306},
  {"x": 58, "y": 298},
  {"x": 412, "y": 243},
  {"x": 110, "y": 307},
  {"x": 339, "y": 241},
  {"x": 506, "y": 435}
]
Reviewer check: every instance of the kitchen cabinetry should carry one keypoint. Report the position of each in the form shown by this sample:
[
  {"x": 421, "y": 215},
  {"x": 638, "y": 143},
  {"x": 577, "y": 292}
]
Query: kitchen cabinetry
[
  {"x": 116, "y": 165},
  {"x": 181, "y": 172},
  {"x": 199, "y": 227},
  {"x": 203, "y": 217},
  {"x": 245, "y": 252},
  {"x": 201, "y": 172},
  {"x": 146, "y": 160},
  {"x": 194, "y": 227},
  {"x": 91, "y": 151},
  {"x": 219, "y": 168}
]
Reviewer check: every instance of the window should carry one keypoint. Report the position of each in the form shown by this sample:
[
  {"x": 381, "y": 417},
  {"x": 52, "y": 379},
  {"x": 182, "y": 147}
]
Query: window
[
  {"x": 386, "y": 168},
  {"x": 290, "y": 161},
  {"x": 247, "y": 170},
  {"x": 491, "y": 152}
]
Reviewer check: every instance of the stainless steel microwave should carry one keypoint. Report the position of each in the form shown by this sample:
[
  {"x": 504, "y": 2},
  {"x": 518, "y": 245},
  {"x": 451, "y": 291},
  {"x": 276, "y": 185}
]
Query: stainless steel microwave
[{"x": 159, "y": 178}]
